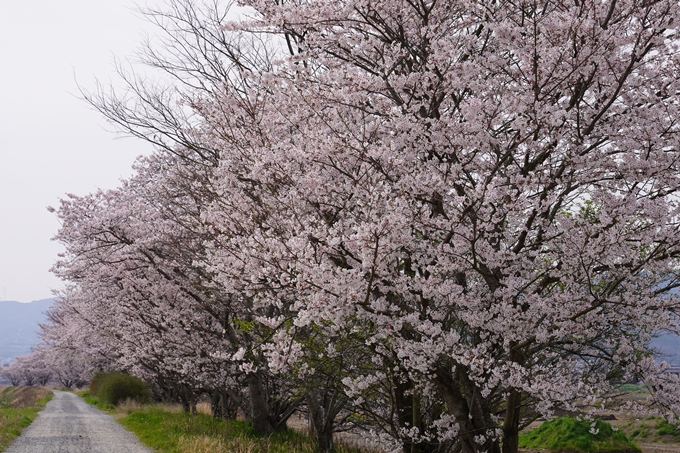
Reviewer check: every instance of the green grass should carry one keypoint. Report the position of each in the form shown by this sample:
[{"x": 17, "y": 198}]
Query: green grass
[
  {"x": 573, "y": 435},
  {"x": 171, "y": 431},
  {"x": 178, "y": 432},
  {"x": 633, "y": 388},
  {"x": 94, "y": 401},
  {"x": 13, "y": 420},
  {"x": 161, "y": 429},
  {"x": 663, "y": 428}
]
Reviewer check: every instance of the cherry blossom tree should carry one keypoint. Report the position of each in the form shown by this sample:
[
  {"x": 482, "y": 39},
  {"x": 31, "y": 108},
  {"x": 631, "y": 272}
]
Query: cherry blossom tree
[
  {"x": 487, "y": 192},
  {"x": 28, "y": 370},
  {"x": 70, "y": 369},
  {"x": 138, "y": 295},
  {"x": 491, "y": 189},
  {"x": 12, "y": 374}
]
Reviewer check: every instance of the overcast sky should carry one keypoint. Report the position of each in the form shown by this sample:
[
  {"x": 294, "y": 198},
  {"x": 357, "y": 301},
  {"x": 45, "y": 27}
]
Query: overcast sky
[{"x": 51, "y": 142}]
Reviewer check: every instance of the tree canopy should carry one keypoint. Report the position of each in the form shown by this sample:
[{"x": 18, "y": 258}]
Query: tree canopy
[{"x": 450, "y": 217}]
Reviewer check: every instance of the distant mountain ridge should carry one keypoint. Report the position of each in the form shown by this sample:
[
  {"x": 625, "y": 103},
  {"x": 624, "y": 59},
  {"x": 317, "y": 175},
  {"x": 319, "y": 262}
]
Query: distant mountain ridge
[
  {"x": 19, "y": 331},
  {"x": 19, "y": 326}
]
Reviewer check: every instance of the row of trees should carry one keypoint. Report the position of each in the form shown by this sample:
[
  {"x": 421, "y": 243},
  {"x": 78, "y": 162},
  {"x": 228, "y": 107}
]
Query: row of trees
[
  {"x": 42, "y": 367},
  {"x": 434, "y": 219}
]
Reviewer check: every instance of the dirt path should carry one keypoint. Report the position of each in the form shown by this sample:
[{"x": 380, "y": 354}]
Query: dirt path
[
  {"x": 69, "y": 425},
  {"x": 658, "y": 448}
]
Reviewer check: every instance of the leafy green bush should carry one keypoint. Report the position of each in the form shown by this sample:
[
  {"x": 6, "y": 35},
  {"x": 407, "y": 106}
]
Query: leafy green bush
[
  {"x": 577, "y": 435},
  {"x": 114, "y": 388}
]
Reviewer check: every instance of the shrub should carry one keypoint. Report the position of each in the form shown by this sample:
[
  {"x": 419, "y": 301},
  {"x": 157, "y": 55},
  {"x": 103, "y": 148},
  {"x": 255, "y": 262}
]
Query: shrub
[
  {"x": 114, "y": 388},
  {"x": 577, "y": 435}
]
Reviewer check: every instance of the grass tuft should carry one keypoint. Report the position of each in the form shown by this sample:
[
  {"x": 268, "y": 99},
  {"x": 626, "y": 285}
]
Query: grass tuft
[{"x": 200, "y": 444}]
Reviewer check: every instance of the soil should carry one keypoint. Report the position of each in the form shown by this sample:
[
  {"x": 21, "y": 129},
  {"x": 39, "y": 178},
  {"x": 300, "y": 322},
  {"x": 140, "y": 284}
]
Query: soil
[{"x": 658, "y": 448}]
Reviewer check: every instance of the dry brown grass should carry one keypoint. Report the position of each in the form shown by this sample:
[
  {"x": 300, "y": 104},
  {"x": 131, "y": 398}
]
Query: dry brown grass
[
  {"x": 202, "y": 444},
  {"x": 356, "y": 440},
  {"x": 208, "y": 444},
  {"x": 168, "y": 407},
  {"x": 204, "y": 408},
  {"x": 20, "y": 397},
  {"x": 130, "y": 405}
]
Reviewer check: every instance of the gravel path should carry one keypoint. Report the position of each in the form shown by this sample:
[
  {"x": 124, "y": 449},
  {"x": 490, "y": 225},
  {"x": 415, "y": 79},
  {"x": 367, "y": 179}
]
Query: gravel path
[{"x": 69, "y": 425}]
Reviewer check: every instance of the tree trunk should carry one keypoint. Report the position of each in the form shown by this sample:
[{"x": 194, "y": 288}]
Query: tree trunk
[
  {"x": 259, "y": 408},
  {"x": 188, "y": 399},
  {"x": 513, "y": 407},
  {"x": 408, "y": 413},
  {"x": 322, "y": 420},
  {"x": 511, "y": 422},
  {"x": 228, "y": 406},
  {"x": 216, "y": 404},
  {"x": 465, "y": 402}
]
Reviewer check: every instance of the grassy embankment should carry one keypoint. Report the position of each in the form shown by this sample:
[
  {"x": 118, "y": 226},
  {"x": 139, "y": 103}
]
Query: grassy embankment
[
  {"x": 652, "y": 429},
  {"x": 167, "y": 429},
  {"x": 649, "y": 429},
  {"x": 19, "y": 406},
  {"x": 577, "y": 435}
]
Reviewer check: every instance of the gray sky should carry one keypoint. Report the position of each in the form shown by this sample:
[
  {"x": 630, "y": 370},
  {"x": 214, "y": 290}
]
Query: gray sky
[{"x": 51, "y": 142}]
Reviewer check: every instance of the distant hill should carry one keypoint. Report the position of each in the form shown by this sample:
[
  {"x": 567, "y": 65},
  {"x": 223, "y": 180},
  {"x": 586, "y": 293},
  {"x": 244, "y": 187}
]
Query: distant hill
[{"x": 19, "y": 326}]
